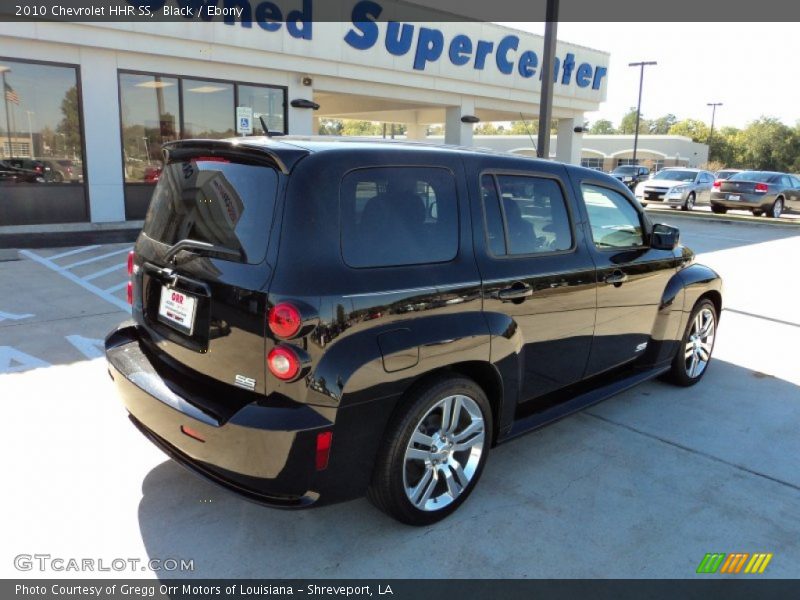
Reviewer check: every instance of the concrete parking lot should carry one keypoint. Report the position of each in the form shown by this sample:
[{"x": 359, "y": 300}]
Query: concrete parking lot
[{"x": 642, "y": 485}]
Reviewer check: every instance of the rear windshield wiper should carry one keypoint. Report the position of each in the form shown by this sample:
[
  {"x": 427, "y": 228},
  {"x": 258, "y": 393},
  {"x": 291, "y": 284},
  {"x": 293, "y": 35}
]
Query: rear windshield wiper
[{"x": 197, "y": 247}]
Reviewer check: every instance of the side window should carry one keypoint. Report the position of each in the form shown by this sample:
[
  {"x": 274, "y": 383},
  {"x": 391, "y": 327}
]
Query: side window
[
  {"x": 525, "y": 215},
  {"x": 615, "y": 222},
  {"x": 785, "y": 181},
  {"x": 398, "y": 216}
]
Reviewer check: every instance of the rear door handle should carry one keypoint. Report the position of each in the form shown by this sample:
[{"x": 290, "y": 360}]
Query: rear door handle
[
  {"x": 518, "y": 291},
  {"x": 617, "y": 278}
]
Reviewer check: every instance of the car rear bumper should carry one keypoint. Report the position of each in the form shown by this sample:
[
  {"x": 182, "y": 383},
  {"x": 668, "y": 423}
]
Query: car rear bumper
[
  {"x": 264, "y": 452},
  {"x": 746, "y": 201}
]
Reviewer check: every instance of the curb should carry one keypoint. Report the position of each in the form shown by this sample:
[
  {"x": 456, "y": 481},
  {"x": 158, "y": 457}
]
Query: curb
[{"x": 729, "y": 219}]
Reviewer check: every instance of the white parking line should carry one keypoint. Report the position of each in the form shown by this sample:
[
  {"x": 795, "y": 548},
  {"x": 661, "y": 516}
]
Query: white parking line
[
  {"x": 96, "y": 258},
  {"x": 104, "y": 272},
  {"x": 71, "y": 252},
  {"x": 116, "y": 288},
  {"x": 121, "y": 304}
]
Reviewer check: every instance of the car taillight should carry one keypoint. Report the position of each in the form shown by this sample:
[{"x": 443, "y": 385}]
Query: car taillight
[
  {"x": 283, "y": 363},
  {"x": 130, "y": 292},
  {"x": 38, "y": 168},
  {"x": 130, "y": 263},
  {"x": 717, "y": 183},
  {"x": 284, "y": 320},
  {"x": 761, "y": 188},
  {"x": 324, "y": 441},
  {"x": 130, "y": 274}
]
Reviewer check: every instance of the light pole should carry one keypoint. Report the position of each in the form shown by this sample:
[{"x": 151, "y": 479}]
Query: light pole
[
  {"x": 4, "y": 69},
  {"x": 30, "y": 131},
  {"x": 546, "y": 101},
  {"x": 641, "y": 66},
  {"x": 713, "y": 106}
]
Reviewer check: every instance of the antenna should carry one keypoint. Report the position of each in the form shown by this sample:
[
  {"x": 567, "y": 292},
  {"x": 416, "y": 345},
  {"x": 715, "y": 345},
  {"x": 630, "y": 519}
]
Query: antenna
[
  {"x": 264, "y": 125},
  {"x": 525, "y": 123}
]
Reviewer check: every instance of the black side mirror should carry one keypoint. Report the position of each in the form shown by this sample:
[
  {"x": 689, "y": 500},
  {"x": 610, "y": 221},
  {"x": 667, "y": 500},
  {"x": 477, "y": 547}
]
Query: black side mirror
[{"x": 664, "y": 237}]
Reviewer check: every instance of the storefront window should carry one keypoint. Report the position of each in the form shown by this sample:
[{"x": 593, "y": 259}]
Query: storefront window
[
  {"x": 208, "y": 109},
  {"x": 41, "y": 144},
  {"x": 150, "y": 118},
  {"x": 265, "y": 102}
]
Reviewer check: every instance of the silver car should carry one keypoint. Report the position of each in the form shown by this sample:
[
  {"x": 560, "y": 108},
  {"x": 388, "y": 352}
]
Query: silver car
[{"x": 676, "y": 186}]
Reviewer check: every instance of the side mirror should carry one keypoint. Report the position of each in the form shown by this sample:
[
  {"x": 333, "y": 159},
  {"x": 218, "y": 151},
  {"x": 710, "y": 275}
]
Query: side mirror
[{"x": 664, "y": 237}]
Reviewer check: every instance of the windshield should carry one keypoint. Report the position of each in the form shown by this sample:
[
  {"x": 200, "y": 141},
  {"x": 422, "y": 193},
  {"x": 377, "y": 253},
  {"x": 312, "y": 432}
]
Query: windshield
[
  {"x": 627, "y": 170},
  {"x": 676, "y": 175},
  {"x": 214, "y": 201},
  {"x": 726, "y": 174},
  {"x": 759, "y": 176}
]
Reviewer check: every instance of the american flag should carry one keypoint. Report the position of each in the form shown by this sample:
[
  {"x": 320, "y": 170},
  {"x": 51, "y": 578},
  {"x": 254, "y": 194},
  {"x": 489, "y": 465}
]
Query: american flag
[{"x": 11, "y": 95}]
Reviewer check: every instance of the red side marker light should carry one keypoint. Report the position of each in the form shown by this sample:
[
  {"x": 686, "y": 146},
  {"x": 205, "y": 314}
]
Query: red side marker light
[
  {"x": 130, "y": 293},
  {"x": 324, "y": 441},
  {"x": 192, "y": 433},
  {"x": 130, "y": 263}
]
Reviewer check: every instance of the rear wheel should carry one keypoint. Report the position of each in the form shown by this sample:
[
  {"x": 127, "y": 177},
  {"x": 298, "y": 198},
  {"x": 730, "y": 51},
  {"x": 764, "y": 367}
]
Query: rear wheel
[
  {"x": 719, "y": 210},
  {"x": 757, "y": 212},
  {"x": 434, "y": 452},
  {"x": 694, "y": 352},
  {"x": 689, "y": 204},
  {"x": 776, "y": 210}
]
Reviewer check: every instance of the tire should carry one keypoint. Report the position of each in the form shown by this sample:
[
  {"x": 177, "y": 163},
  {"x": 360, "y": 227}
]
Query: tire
[
  {"x": 757, "y": 212},
  {"x": 776, "y": 210},
  {"x": 426, "y": 486},
  {"x": 718, "y": 210},
  {"x": 689, "y": 366},
  {"x": 689, "y": 204}
]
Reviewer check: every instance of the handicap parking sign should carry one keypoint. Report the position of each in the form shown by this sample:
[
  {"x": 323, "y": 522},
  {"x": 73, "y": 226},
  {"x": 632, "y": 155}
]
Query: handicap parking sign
[{"x": 244, "y": 120}]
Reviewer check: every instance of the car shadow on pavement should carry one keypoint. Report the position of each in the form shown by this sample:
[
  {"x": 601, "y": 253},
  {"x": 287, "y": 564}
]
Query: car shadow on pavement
[{"x": 655, "y": 471}]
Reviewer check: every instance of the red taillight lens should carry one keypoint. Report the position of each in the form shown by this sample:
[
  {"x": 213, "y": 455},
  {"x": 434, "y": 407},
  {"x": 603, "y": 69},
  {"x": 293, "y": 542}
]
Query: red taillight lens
[
  {"x": 283, "y": 363},
  {"x": 324, "y": 441},
  {"x": 130, "y": 292},
  {"x": 38, "y": 168},
  {"x": 192, "y": 433},
  {"x": 130, "y": 263},
  {"x": 762, "y": 188},
  {"x": 717, "y": 183},
  {"x": 284, "y": 320}
]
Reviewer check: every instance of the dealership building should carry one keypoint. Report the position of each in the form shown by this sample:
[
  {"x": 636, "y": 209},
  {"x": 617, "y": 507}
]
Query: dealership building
[{"x": 94, "y": 102}]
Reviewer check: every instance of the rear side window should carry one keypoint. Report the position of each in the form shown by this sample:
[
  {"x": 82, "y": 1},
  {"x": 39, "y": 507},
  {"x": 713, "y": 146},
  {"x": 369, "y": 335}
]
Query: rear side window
[
  {"x": 223, "y": 203},
  {"x": 615, "y": 222},
  {"x": 398, "y": 216},
  {"x": 525, "y": 215}
]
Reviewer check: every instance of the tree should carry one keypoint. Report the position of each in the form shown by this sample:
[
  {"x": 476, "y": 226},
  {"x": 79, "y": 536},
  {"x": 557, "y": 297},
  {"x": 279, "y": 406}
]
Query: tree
[
  {"x": 69, "y": 127},
  {"x": 628, "y": 123},
  {"x": 662, "y": 125},
  {"x": 691, "y": 128},
  {"x": 361, "y": 128},
  {"x": 603, "y": 127},
  {"x": 768, "y": 144}
]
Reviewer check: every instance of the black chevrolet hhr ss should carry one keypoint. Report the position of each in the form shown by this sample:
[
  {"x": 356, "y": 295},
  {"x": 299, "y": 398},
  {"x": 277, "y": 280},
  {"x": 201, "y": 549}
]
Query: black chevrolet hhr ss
[{"x": 319, "y": 319}]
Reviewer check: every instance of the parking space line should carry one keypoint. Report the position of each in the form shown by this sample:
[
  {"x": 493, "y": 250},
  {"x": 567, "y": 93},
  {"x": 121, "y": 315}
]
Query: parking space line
[
  {"x": 93, "y": 289},
  {"x": 71, "y": 252},
  {"x": 96, "y": 258},
  {"x": 116, "y": 288},
  {"x": 104, "y": 272}
]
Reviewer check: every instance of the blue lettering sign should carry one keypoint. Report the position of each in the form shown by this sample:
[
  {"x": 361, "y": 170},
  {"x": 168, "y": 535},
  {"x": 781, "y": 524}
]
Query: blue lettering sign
[
  {"x": 399, "y": 38},
  {"x": 430, "y": 44},
  {"x": 508, "y": 43},
  {"x": 460, "y": 49},
  {"x": 584, "y": 75},
  {"x": 363, "y": 16}
]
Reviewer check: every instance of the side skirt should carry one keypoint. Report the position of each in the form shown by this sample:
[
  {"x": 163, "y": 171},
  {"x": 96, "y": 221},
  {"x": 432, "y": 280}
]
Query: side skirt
[{"x": 582, "y": 400}]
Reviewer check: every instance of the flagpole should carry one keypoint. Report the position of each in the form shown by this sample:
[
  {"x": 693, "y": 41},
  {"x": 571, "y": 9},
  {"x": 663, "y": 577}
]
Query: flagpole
[{"x": 8, "y": 127}]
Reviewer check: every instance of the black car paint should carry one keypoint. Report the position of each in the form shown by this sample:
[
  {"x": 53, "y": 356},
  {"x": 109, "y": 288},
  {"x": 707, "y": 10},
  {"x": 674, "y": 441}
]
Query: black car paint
[{"x": 371, "y": 334}]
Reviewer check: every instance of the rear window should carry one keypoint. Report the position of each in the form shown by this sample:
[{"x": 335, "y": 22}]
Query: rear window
[
  {"x": 758, "y": 176},
  {"x": 223, "y": 203},
  {"x": 398, "y": 216}
]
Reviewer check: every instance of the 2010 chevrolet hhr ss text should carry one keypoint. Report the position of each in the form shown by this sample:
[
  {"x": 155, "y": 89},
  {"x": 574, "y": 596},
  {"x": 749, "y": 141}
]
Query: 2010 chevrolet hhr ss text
[{"x": 318, "y": 319}]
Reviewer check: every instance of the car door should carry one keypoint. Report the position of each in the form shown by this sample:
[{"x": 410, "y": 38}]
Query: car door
[
  {"x": 793, "y": 199},
  {"x": 536, "y": 271},
  {"x": 705, "y": 184},
  {"x": 631, "y": 276}
]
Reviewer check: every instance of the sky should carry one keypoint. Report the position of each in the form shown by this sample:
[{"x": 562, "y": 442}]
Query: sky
[{"x": 751, "y": 68}]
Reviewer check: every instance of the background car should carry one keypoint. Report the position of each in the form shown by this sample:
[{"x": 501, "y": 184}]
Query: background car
[
  {"x": 31, "y": 164},
  {"x": 676, "y": 186},
  {"x": 761, "y": 192},
  {"x": 63, "y": 170},
  {"x": 723, "y": 174},
  {"x": 630, "y": 175},
  {"x": 11, "y": 171}
]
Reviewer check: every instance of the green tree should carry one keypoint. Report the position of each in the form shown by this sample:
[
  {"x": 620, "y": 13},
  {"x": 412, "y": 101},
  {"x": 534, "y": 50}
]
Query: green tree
[
  {"x": 330, "y": 127},
  {"x": 69, "y": 126},
  {"x": 768, "y": 144},
  {"x": 662, "y": 125},
  {"x": 691, "y": 128},
  {"x": 628, "y": 123},
  {"x": 602, "y": 127}
]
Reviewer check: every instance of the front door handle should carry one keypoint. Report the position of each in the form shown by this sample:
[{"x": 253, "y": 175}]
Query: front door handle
[
  {"x": 617, "y": 278},
  {"x": 518, "y": 291}
]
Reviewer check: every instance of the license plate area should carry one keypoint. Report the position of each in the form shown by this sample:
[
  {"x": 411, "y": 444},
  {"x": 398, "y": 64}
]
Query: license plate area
[
  {"x": 734, "y": 197},
  {"x": 177, "y": 309}
]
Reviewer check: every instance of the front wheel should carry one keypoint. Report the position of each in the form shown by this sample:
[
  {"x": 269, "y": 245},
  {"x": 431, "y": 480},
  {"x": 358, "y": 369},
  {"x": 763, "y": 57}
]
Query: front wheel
[
  {"x": 694, "y": 352},
  {"x": 434, "y": 452},
  {"x": 689, "y": 204}
]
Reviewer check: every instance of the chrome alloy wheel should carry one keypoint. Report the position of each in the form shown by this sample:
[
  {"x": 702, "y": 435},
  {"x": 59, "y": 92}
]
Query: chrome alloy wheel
[
  {"x": 443, "y": 453},
  {"x": 700, "y": 343}
]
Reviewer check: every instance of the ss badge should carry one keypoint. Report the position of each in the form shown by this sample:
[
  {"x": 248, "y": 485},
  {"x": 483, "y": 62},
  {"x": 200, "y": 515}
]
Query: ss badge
[{"x": 247, "y": 383}]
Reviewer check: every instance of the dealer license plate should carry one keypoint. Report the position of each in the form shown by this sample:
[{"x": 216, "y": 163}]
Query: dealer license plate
[
  {"x": 177, "y": 309},
  {"x": 734, "y": 197}
]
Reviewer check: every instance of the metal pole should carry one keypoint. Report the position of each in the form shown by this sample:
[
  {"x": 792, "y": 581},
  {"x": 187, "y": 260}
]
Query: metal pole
[
  {"x": 641, "y": 66},
  {"x": 713, "y": 106},
  {"x": 8, "y": 126},
  {"x": 546, "y": 102}
]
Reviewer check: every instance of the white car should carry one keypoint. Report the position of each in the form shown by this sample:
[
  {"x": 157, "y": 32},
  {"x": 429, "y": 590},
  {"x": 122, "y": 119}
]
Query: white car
[{"x": 676, "y": 186}]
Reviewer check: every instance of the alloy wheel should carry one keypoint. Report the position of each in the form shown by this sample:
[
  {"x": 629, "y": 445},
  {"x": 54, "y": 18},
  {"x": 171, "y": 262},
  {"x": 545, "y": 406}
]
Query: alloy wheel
[
  {"x": 699, "y": 344},
  {"x": 443, "y": 453},
  {"x": 777, "y": 208}
]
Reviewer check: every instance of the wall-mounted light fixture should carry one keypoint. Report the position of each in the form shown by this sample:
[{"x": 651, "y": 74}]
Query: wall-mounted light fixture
[
  {"x": 579, "y": 129},
  {"x": 470, "y": 119},
  {"x": 306, "y": 81},
  {"x": 303, "y": 103}
]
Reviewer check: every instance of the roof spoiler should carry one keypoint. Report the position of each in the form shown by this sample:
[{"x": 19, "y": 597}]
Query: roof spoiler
[{"x": 283, "y": 156}]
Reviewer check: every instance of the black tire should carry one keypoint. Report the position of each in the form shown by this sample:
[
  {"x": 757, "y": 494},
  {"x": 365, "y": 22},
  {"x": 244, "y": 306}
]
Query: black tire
[
  {"x": 689, "y": 204},
  {"x": 420, "y": 409},
  {"x": 679, "y": 372},
  {"x": 718, "y": 210},
  {"x": 776, "y": 210},
  {"x": 757, "y": 212}
]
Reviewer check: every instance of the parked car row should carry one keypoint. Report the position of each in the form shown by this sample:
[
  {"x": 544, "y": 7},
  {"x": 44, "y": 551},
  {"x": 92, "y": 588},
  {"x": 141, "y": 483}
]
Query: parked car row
[
  {"x": 766, "y": 193},
  {"x": 32, "y": 170},
  {"x": 676, "y": 186}
]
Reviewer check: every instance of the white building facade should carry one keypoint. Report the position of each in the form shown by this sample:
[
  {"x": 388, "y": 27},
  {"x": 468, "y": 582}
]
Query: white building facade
[{"x": 94, "y": 102}]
